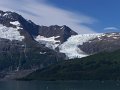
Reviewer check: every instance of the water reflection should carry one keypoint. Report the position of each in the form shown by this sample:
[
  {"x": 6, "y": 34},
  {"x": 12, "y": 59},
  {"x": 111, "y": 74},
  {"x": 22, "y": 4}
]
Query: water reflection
[{"x": 60, "y": 85}]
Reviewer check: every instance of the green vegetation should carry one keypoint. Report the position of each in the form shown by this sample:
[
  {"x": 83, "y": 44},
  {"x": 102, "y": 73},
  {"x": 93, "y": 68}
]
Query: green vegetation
[{"x": 102, "y": 66}]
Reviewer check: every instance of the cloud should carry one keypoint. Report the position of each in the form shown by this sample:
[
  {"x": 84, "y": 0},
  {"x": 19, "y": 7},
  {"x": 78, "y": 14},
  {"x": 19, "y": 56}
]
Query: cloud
[
  {"x": 111, "y": 28},
  {"x": 43, "y": 13}
]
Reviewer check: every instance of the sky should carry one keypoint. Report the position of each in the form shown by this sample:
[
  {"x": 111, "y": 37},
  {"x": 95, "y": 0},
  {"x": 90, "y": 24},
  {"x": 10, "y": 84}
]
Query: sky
[{"x": 83, "y": 16}]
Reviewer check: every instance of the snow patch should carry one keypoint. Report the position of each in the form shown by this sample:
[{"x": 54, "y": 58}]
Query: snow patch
[
  {"x": 42, "y": 52},
  {"x": 115, "y": 38},
  {"x": 17, "y": 24},
  {"x": 6, "y": 14},
  {"x": 62, "y": 27},
  {"x": 50, "y": 42},
  {"x": 10, "y": 33},
  {"x": 70, "y": 47}
]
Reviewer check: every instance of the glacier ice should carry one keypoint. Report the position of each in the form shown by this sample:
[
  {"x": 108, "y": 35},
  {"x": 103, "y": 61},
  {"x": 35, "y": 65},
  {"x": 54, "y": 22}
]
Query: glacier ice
[{"x": 70, "y": 47}]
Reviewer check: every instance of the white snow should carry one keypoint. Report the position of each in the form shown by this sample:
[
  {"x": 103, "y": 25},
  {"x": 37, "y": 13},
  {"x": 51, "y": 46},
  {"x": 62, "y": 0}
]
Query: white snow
[
  {"x": 48, "y": 42},
  {"x": 70, "y": 47},
  {"x": 10, "y": 33},
  {"x": 17, "y": 24},
  {"x": 112, "y": 35},
  {"x": 62, "y": 27},
  {"x": 6, "y": 14},
  {"x": 115, "y": 38},
  {"x": 42, "y": 52}
]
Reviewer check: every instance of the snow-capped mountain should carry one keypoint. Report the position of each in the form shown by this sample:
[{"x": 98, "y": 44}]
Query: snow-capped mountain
[
  {"x": 22, "y": 44},
  {"x": 25, "y": 45},
  {"x": 28, "y": 45},
  {"x": 15, "y": 27}
]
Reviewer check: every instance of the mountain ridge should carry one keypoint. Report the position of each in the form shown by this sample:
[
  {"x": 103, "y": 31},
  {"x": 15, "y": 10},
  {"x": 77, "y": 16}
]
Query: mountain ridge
[{"x": 27, "y": 46}]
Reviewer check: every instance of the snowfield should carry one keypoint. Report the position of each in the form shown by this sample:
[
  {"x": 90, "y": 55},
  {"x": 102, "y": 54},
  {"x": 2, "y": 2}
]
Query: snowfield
[{"x": 10, "y": 33}]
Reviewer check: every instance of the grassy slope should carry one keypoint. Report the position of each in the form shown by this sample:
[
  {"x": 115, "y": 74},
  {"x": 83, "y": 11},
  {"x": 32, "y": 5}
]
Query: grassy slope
[{"x": 102, "y": 66}]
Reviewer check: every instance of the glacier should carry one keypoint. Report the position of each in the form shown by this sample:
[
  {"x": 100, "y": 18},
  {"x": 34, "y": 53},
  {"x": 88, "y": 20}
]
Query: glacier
[{"x": 70, "y": 47}]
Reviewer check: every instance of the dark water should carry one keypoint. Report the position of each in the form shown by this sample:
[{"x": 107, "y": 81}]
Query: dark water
[{"x": 60, "y": 85}]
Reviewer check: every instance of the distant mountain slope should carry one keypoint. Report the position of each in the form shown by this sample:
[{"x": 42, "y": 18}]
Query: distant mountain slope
[
  {"x": 59, "y": 38},
  {"x": 102, "y": 66},
  {"x": 107, "y": 42}
]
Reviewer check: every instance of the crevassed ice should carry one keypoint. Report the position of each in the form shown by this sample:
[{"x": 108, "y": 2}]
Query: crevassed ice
[
  {"x": 10, "y": 33},
  {"x": 70, "y": 47},
  {"x": 48, "y": 42}
]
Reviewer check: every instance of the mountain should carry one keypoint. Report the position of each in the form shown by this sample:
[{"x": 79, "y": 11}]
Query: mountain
[
  {"x": 21, "y": 47},
  {"x": 60, "y": 39},
  {"x": 101, "y": 66},
  {"x": 26, "y": 47}
]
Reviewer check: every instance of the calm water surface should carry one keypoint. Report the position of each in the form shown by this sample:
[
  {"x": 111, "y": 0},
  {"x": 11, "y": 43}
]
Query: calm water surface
[{"x": 60, "y": 85}]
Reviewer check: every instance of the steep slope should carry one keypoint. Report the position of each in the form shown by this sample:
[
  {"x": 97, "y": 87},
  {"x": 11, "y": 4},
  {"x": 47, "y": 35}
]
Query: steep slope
[
  {"x": 18, "y": 48},
  {"x": 63, "y": 32},
  {"x": 102, "y": 66},
  {"x": 16, "y": 21},
  {"x": 30, "y": 30}
]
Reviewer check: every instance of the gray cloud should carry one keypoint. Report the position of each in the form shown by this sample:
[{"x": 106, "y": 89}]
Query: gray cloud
[{"x": 43, "y": 13}]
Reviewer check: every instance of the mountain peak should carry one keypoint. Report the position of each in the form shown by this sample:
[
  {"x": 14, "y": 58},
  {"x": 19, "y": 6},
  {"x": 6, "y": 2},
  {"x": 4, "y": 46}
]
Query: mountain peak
[
  {"x": 9, "y": 15},
  {"x": 54, "y": 34}
]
